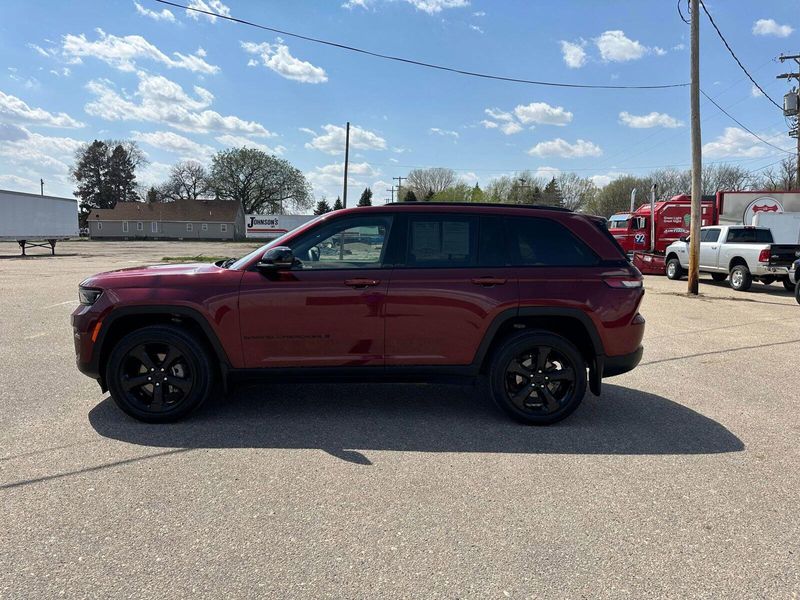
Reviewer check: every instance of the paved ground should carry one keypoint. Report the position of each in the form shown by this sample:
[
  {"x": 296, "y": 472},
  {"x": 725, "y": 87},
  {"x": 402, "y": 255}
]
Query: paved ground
[{"x": 682, "y": 480}]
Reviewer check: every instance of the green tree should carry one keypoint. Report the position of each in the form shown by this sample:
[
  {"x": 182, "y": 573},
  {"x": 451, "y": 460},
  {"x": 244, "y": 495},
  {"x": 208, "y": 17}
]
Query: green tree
[
  {"x": 262, "y": 183},
  {"x": 322, "y": 207},
  {"x": 338, "y": 204},
  {"x": 366, "y": 197},
  {"x": 551, "y": 196},
  {"x": 121, "y": 179},
  {"x": 476, "y": 195},
  {"x": 152, "y": 195},
  {"x": 410, "y": 196},
  {"x": 429, "y": 195}
]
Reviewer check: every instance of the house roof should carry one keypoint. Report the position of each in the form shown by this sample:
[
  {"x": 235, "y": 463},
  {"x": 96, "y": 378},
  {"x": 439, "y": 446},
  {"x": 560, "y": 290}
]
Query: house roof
[{"x": 179, "y": 210}]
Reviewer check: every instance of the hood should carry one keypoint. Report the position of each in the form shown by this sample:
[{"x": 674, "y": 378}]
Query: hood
[{"x": 143, "y": 276}]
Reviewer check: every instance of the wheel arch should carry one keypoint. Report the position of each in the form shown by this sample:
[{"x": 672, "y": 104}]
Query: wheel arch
[
  {"x": 736, "y": 261},
  {"x": 123, "y": 321}
]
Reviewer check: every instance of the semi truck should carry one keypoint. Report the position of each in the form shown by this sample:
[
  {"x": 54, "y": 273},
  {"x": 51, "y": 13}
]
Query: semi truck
[
  {"x": 37, "y": 221},
  {"x": 645, "y": 239}
]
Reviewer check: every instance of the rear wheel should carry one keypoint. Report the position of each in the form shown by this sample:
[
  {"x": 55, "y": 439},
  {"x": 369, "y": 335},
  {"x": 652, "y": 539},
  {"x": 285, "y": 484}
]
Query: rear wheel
[
  {"x": 741, "y": 280},
  {"x": 159, "y": 374},
  {"x": 674, "y": 269},
  {"x": 538, "y": 378},
  {"x": 719, "y": 276}
]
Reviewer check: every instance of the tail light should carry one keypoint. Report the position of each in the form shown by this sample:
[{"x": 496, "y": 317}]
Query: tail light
[
  {"x": 624, "y": 283},
  {"x": 763, "y": 256}
]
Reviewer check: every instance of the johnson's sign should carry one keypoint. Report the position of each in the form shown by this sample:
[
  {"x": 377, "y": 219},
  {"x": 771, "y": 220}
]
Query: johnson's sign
[
  {"x": 764, "y": 204},
  {"x": 272, "y": 226}
]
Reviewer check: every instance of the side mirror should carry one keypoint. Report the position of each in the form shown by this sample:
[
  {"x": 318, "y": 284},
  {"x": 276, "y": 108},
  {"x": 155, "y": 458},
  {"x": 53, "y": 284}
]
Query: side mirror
[
  {"x": 684, "y": 238},
  {"x": 279, "y": 258}
]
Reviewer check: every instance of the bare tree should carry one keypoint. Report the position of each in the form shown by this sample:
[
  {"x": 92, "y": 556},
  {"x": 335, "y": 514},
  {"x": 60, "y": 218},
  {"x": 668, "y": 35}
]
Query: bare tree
[
  {"x": 188, "y": 180},
  {"x": 436, "y": 179},
  {"x": 576, "y": 191},
  {"x": 780, "y": 179}
]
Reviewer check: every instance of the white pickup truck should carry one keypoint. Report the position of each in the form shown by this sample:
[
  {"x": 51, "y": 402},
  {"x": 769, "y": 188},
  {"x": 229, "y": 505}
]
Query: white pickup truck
[{"x": 744, "y": 253}]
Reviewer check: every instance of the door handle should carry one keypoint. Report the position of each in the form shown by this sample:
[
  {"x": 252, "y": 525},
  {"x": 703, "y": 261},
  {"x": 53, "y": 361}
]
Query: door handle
[
  {"x": 361, "y": 284},
  {"x": 488, "y": 281}
]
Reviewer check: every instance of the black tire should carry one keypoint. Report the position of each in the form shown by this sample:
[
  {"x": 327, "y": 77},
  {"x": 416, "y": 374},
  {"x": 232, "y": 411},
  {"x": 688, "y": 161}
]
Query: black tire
[
  {"x": 674, "y": 269},
  {"x": 788, "y": 285},
  {"x": 797, "y": 292},
  {"x": 740, "y": 278},
  {"x": 719, "y": 276},
  {"x": 159, "y": 374},
  {"x": 537, "y": 378},
  {"x": 768, "y": 280}
]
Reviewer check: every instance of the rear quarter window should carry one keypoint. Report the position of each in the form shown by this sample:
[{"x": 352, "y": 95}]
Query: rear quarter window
[
  {"x": 540, "y": 242},
  {"x": 749, "y": 236}
]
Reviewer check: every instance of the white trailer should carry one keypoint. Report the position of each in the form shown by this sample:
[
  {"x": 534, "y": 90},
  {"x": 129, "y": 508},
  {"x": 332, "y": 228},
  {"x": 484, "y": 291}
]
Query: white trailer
[
  {"x": 785, "y": 227},
  {"x": 273, "y": 226},
  {"x": 35, "y": 221}
]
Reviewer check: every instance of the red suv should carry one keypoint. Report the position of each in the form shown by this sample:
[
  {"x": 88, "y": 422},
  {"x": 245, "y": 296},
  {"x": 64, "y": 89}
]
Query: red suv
[{"x": 541, "y": 300}]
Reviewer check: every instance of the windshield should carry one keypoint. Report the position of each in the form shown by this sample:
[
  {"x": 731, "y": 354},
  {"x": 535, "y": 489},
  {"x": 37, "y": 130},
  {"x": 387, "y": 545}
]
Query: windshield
[
  {"x": 241, "y": 262},
  {"x": 618, "y": 221}
]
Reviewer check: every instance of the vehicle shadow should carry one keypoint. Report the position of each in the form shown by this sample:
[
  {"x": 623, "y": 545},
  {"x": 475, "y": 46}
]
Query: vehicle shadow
[{"x": 343, "y": 419}]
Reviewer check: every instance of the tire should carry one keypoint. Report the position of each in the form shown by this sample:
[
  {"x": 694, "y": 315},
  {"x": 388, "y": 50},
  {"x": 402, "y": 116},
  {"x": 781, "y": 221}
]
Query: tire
[
  {"x": 741, "y": 280},
  {"x": 163, "y": 352},
  {"x": 674, "y": 269},
  {"x": 719, "y": 276},
  {"x": 768, "y": 280},
  {"x": 788, "y": 285},
  {"x": 797, "y": 292},
  {"x": 537, "y": 378}
]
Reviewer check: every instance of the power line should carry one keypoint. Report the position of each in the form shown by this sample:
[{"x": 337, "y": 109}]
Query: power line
[
  {"x": 736, "y": 58},
  {"x": 420, "y": 63},
  {"x": 739, "y": 123}
]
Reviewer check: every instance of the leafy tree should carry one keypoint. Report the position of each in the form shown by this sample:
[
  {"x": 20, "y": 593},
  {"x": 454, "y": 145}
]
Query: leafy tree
[
  {"x": 460, "y": 192},
  {"x": 366, "y": 197},
  {"x": 121, "y": 178},
  {"x": 338, "y": 204},
  {"x": 262, "y": 183},
  {"x": 410, "y": 196},
  {"x": 551, "y": 196},
  {"x": 476, "y": 195},
  {"x": 153, "y": 195},
  {"x": 429, "y": 195},
  {"x": 322, "y": 207},
  {"x": 188, "y": 180}
]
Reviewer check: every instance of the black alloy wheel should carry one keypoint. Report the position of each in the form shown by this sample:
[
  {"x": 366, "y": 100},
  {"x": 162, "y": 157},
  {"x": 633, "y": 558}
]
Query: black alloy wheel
[
  {"x": 159, "y": 374},
  {"x": 538, "y": 378}
]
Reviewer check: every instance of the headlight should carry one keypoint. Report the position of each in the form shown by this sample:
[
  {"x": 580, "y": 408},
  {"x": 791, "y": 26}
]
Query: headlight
[{"x": 88, "y": 296}]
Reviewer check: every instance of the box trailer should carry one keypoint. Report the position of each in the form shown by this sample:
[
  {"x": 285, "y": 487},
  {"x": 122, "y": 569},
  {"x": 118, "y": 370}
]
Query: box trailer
[{"x": 35, "y": 221}]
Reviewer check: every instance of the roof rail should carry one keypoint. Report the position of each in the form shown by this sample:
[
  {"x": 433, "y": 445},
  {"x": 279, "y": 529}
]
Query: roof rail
[{"x": 490, "y": 204}]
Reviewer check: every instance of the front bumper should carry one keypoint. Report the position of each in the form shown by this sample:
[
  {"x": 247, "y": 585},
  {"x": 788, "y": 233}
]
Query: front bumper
[{"x": 617, "y": 365}]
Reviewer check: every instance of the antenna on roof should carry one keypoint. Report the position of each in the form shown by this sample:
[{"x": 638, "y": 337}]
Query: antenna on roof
[{"x": 41, "y": 183}]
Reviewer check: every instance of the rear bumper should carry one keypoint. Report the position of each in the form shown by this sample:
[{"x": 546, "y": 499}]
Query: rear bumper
[{"x": 617, "y": 365}]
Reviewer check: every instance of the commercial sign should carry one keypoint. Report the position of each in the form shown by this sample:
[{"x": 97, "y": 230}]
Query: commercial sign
[{"x": 272, "y": 226}]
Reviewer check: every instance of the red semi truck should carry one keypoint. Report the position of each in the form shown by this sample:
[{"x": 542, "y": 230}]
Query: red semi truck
[{"x": 633, "y": 229}]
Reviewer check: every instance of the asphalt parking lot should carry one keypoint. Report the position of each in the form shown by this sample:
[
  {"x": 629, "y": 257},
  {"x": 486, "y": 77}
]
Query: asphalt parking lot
[{"x": 682, "y": 480}]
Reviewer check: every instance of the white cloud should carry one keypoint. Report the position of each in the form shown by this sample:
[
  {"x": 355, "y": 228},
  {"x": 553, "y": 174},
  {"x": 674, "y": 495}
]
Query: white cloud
[
  {"x": 653, "y": 119},
  {"x": 327, "y": 180},
  {"x": 123, "y": 52},
  {"x": 680, "y": 46},
  {"x": 351, "y": 4},
  {"x": 771, "y": 27},
  {"x": 614, "y": 46},
  {"x": 160, "y": 100},
  {"x": 16, "y": 110},
  {"x": 177, "y": 144},
  {"x": 21, "y": 184},
  {"x": 40, "y": 51},
  {"x": 479, "y": 13},
  {"x": 332, "y": 141},
  {"x": 156, "y": 15},
  {"x": 735, "y": 142},
  {"x": 214, "y": 6},
  {"x": 755, "y": 92},
  {"x": 476, "y": 28},
  {"x": 602, "y": 180},
  {"x": 658, "y": 51},
  {"x": 562, "y": 148},
  {"x": 153, "y": 174},
  {"x": 573, "y": 53},
  {"x": 499, "y": 115},
  {"x": 542, "y": 113},
  {"x": 546, "y": 173},
  {"x": 278, "y": 58},
  {"x": 489, "y": 124},
  {"x": 510, "y": 127},
  {"x": 431, "y": 7},
  {"x": 239, "y": 141},
  {"x": 39, "y": 153},
  {"x": 444, "y": 132}
]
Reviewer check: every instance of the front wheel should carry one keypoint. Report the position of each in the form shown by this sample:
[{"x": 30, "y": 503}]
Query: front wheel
[
  {"x": 159, "y": 374},
  {"x": 674, "y": 269},
  {"x": 741, "y": 280},
  {"x": 788, "y": 285},
  {"x": 538, "y": 378}
]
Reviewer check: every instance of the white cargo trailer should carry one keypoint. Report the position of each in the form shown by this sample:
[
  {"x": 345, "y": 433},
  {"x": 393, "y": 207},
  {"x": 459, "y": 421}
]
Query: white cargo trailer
[
  {"x": 35, "y": 221},
  {"x": 785, "y": 227}
]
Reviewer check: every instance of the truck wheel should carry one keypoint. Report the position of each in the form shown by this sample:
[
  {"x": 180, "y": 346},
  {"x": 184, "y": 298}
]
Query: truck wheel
[
  {"x": 537, "y": 378},
  {"x": 159, "y": 374},
  {"x": 788, "y": 285},
  {"x": 719, "y": 276},
  {"x": 768, "y": 280},
  {"x": 674, "y": 269},
  {"x": 741, "y": 280},
  {"x": 797, "y": 292}
]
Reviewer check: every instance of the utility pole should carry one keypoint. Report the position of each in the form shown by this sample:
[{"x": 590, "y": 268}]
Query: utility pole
[
  {"x": 790, "y": 109},
  {"x": 399, "y": 186},
  {"x": 524, "y": 185},
  {"x": 41, "y": 183},
  {"x": 697, "y": 160},
  {"x": 392, "y": 190},
  {"x": 346, "y": 163}
]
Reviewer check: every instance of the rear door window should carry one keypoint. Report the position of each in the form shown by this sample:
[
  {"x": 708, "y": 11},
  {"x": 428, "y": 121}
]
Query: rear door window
[
  {"x": 441, "y": 241},
  {"x": 749, "y": 236},
  {"x": 540, "y": 242},
  {"x": 492, "y": 242}
]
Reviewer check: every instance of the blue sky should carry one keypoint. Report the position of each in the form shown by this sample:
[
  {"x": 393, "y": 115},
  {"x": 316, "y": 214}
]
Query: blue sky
[{"x": 185, "y": 86}]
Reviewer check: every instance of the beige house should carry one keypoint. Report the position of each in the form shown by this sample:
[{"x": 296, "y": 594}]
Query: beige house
[{"x": 179, "y": 220}]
